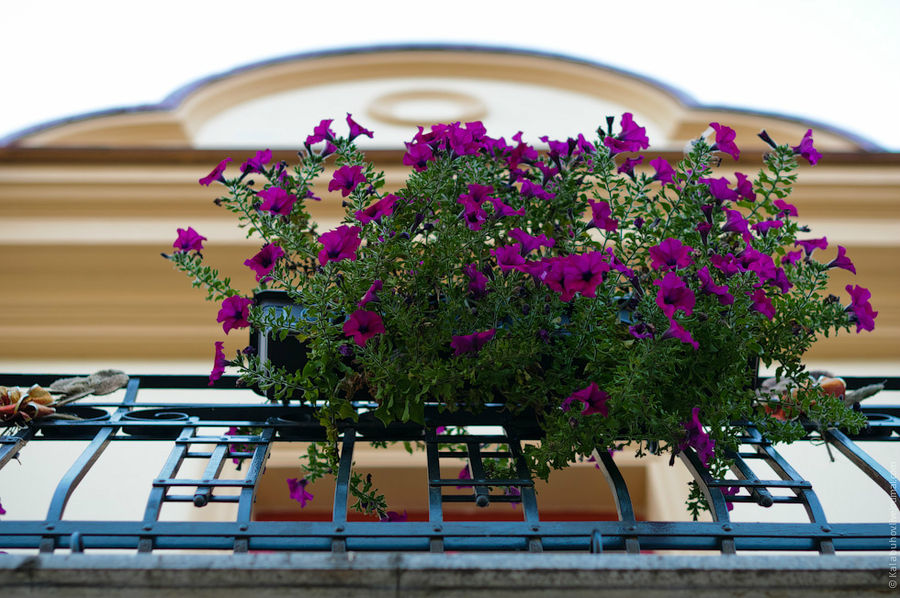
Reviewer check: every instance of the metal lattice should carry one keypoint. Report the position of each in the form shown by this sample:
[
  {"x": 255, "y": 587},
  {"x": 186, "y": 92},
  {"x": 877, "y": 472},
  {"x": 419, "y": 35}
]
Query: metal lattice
[{"x": 183, "y": 425}]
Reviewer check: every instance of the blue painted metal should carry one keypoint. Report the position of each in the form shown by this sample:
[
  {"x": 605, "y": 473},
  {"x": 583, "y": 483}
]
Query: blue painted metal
[{"x": 186, "y": 426}]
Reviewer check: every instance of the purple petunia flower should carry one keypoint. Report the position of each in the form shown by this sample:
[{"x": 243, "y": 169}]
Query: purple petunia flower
[
  {"x": 234, "y": 312},
  {"x": 356, "y": 129},
  {"x": 842, "y": 261},
  {"x": 582, "y": 273},
  {"x": 641, "y": 330},
  {"x": 784, "y": 208},
  {"x": 677, "y": 331},
  {"x": 363, "y": 325},
  {"x": 762, "y": 303},
  {"x": 477, "y": 280},
  {"x": 464, "y": 474},
  {"x": 418, "y": 155},
  {"x": 664, "y": 171},
  {"x": 806, "y": 149},
  {"x": 339, "y": 244},
  {"x": 627, "y": 167},
  {"x": 297, "y": 491},
  {"x": 719, "y": 189},
  {"x": 674, "y": 295},
  {"x": 727, "y": 264},
  {"x": 528, "y": 242},
  {"x": 2, "y": 510},
  {"x": 863, "y": 314},
  {"x": 736, "y": 223},
  {"x": 346, "y": 179},
  {"x": 670, "y": 253},
  {"x": 811, "y": 245},
  {"x": 600, "y": 216},
  {"x": 471, "y": 343},
  {"x": 216, "y": 173},
  {"x": 277, "y": 201},
  {"x": 477, "y": 193},
  {"x": 395, "y": 516},
  {"x": 744, "y": 187},
  {"x": 219, "y": 363},
  {"x": 592, "y": 399},
  {"x": 530, "y": 189},
  {"x": 502, "y": 210},
  {"x": 508, "y": 256},
  {"x": 766, "y": 225},
  {"x": 256, "y": 163},
  {"x": 473, "y": 214},
  {"x": 725, "y": 140},
  {"x": 370, "y": 294},
  {"x": 710, "y": 288},
  {"x": 188, "y": 240},
  {"x": 321, "y": 132},
  {"x": 791, "y": 257},
  {"x": 696, "y": 438},
  {"x": 263, "y": 262},
  {"x": 631, "y": 138},
  {"x": 375, "y": 212}
]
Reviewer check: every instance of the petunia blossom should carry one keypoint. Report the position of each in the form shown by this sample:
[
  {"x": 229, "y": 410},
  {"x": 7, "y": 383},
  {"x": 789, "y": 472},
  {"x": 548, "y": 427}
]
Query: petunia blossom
[
  {"x": 219, "y": 363},
  {"x": 719, "y": 189},
  {"x": 391, "y": 516},
  {"x": 277, "y": 201},
  {"x": 371, "y": 293},
  {"x": 464, "y": 474},
  {"x": 791, "y": 257},
  {"x": 762, "y": 303},
  {"x": 744, "y": 187},
  {"x": 473, "y": 214},
  {"x": 698, "y": 439},
  {"x": 528, "y": 242},
  {"x": 378, "y": 210},
  {"x": 592, "y": 399},
  {"x": 631, "y": 138},
  {"x": 677, "y": 331},
  {"x": 263, "y": 262},
  {"x": 321, "y": 132},
  {"x": 785, "y": 208},
  {"x": 234, "y": 313},
  {"x": 356, "y": 129},
  {"x": 346, "y": 179},
  {"x": 664, "y": 171},
  {"x": 863, "y": 314},
  {"x": 627, "y": 167},
  {"x": 530, "y": 189},
  {"x": 188, "y": 240},
  {"x": 806, "y": 149},
  {"x": 641, "y": 330},
  {"x": 471, "y": 343},
  {"x": 725, "y": 140},
  {"x": 339, "y": 244},
  {"x": 736, "y": 223},
  {"x": 673, "y": 295},
  {"x": 501, "y": 210},
  {"x": 670, "y": 253},
  {"x": 363, "y": 325},
  {"x": 710, "y": 288},
  {"x": 256, "y": 163},
  {"x": 842, "y": 261},
  {"x": 765, "y": 226},
  {"x": 810, "y": 245},
  {"x": 418, "y": 155},
  {"x": 582, "y": 273},
  {"x": 216, "y": 173},
  {"x": 600, "y": 216},
  {"x": 477, "y": 280},
  {"x": 508, "y": 256},
  {"x": 297, "y": 491}
]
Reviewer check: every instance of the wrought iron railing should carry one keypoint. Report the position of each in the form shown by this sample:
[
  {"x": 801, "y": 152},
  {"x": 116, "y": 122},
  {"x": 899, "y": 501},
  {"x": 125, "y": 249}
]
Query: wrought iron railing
[{"x": 190, "y": 426}]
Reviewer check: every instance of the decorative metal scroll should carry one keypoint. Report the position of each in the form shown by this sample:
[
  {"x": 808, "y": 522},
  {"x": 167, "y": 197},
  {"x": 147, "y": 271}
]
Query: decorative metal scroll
[{"x": 185, "y": 426}]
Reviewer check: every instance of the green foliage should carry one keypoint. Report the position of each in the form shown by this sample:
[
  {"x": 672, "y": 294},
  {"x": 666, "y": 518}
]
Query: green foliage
[{"x": 546, "y": 345}]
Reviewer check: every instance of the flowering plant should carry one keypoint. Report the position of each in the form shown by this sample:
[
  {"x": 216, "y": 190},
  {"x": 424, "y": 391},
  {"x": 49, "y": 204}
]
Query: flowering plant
[{"x": 617, "y": 304}]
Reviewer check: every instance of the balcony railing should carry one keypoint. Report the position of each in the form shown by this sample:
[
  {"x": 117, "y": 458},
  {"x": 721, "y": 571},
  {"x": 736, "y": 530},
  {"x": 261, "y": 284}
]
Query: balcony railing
[{"x": 193, "y": 427}]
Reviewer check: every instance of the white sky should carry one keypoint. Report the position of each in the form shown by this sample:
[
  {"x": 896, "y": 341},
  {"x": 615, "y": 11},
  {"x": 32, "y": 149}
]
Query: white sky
[{"x": 833, "y": 61}]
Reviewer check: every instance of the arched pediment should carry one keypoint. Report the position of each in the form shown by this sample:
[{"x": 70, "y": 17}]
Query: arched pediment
[{"x": 392, "y": 89}]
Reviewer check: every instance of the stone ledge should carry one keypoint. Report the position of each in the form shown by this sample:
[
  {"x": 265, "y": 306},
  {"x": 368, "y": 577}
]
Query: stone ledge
[{"x": 376, "y": 575}]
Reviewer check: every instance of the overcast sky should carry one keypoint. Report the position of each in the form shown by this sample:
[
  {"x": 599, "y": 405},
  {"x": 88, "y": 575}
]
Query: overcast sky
[{"x": 832, "y": 61}]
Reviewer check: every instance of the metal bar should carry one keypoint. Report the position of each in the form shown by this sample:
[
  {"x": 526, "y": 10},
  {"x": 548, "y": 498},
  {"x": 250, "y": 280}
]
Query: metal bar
[
  {"x": 70, "y": 480},
  {"x": 212, "y": 471},
  {"x": 159, "y": 489},
  {"x": 529, "y": 498},
  {"x": 714, "y": 496},
  {"x": 482, "y": 493},
  {"x": 342, "y": 490},
  {"x": 11, "y": 445},
  {"x": 621, "y": 496},
  {"x": 435, "y": 498},
  {"x": 254, "y": 470},
  {"x": 876, "y": 472}
]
